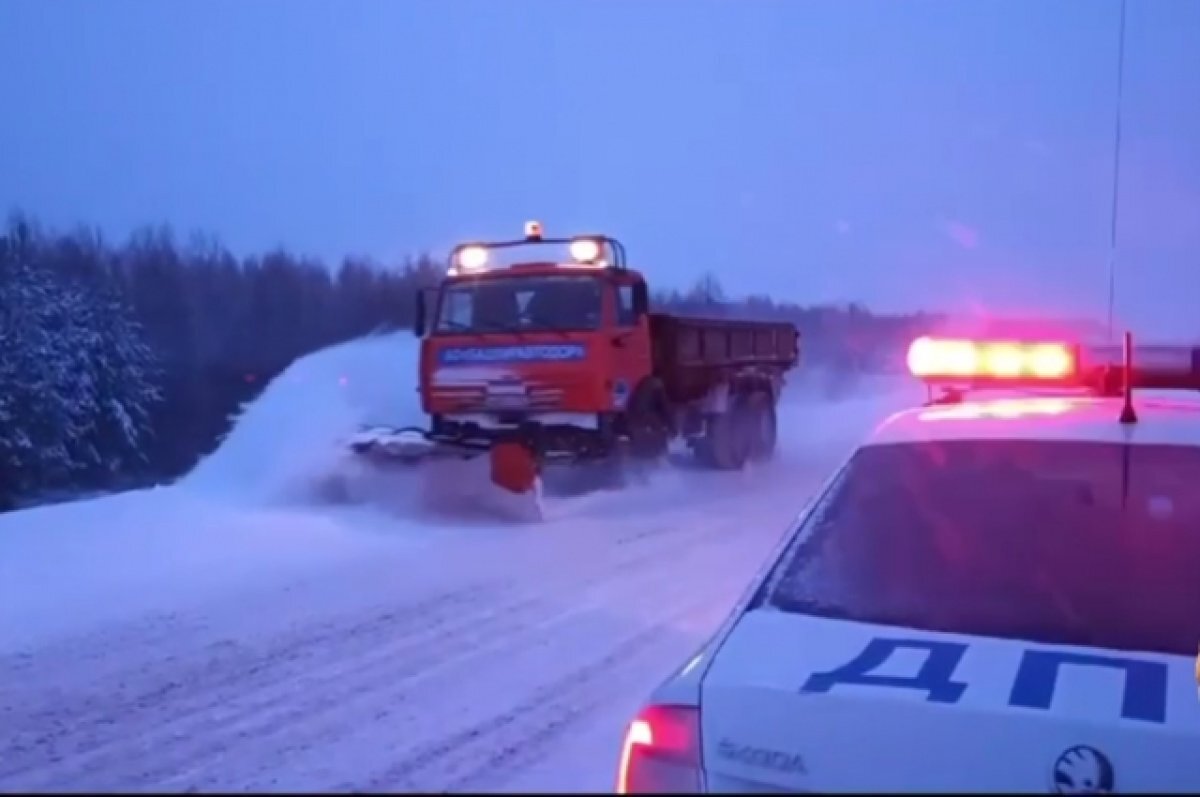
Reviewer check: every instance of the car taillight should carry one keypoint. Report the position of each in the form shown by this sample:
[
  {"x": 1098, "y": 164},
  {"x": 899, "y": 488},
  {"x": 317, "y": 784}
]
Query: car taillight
[{"x": 661, "y": 753}]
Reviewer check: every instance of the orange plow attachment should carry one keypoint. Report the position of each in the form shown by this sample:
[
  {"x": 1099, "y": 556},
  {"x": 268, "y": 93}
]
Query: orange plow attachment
[{"x": 514, "y": 467}]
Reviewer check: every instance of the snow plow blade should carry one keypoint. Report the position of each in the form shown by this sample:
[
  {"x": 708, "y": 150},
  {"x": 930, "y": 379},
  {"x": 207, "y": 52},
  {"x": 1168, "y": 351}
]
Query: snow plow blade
[
  {"x": 454, "y": 480},
  {"x": 386, "y": 444}
]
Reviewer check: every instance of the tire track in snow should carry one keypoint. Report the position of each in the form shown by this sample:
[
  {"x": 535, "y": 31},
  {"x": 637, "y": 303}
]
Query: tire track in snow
[
  {"x": 489, "y": 731},
  {"x": 238, "y": 705},
  {"x": 548, "y": 712},
  {"x": 104, "y": 709},
  {"x": 224, "y": 660},
  {"x": 369, "y": 702},
  {"x": 173, "y": 720},
  {"x": 492, "y": 749}
]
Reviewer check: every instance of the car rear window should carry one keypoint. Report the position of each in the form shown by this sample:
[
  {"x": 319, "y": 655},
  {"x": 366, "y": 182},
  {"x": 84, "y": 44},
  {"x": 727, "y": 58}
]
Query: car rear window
[{"x": 1063, "y": 542}]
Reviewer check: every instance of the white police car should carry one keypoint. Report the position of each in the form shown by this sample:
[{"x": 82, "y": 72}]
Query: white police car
[{"x": 991, "y": 594}]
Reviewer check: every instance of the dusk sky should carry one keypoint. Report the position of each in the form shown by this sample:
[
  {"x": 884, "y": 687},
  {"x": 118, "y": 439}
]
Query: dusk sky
[{"x": 903, "y": 153}]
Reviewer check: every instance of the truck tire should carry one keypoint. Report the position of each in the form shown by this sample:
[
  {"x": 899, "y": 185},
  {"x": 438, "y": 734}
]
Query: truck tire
[
  {"x": 727, "y": 440},
  {"x": 648, "y": 423},
  {"x": 763, "y": 426}
]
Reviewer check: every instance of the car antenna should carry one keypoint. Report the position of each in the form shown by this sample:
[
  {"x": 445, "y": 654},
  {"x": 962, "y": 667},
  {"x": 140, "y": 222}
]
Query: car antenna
[{"x": 1128, "y": 414}]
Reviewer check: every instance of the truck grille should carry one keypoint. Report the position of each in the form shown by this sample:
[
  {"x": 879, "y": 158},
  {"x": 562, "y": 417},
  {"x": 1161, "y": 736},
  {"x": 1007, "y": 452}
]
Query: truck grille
[{"x": 498, "y": 396}]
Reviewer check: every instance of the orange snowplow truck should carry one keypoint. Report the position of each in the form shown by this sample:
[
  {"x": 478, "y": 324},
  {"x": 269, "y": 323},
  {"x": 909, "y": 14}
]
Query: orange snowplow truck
[{"x": 561, "y": 358}]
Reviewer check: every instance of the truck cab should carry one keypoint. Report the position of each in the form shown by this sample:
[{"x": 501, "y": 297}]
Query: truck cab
[
  {"x": 561, "y": 356},
  {"x": 551, "y": 344}
]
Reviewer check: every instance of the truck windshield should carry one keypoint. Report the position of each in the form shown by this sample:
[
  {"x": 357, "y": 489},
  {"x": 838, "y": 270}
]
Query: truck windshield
[
  {"x": 1040, "y": 541},
  {"x": 525, "y": 304}
]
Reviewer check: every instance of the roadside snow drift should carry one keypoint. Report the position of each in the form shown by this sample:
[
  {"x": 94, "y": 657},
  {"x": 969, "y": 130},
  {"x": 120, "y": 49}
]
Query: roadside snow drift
[
  {"x": 295, "y": 432},
  {"x": 229, "y": 633}
]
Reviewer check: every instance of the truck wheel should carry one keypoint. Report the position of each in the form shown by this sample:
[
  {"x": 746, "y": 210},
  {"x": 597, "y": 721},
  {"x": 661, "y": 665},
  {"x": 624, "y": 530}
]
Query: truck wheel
[
  {"x": 648, "y": 424},
  {"x": 726, "y": 443},
  {"x": 763, "y": 426}
]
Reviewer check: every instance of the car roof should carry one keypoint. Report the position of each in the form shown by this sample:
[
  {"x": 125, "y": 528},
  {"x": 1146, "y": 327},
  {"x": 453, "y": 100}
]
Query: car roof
[{"x": 1164, "y": 417}]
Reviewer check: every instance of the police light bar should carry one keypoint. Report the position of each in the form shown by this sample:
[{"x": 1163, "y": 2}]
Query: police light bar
[
  {"x": 935, "y": 359},
  {"x": 979, "y": 362}
]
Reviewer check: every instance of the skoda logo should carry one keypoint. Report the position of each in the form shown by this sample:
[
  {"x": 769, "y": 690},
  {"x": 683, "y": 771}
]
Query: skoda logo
[{"x": 1083, "y": 770}]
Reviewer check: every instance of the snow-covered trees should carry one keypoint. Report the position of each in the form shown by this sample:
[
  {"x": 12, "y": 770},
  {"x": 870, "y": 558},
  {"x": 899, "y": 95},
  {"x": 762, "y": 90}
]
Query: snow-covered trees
[
  {"x": 122, "y": 365},
  {"x": 77, "y": 378}
]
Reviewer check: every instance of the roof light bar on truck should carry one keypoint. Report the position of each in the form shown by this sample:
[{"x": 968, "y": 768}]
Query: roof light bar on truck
[
  {"x": 959, "y": 365},
  {"x": 472, "y": 258},
  {"x": 587, "y": 251}
]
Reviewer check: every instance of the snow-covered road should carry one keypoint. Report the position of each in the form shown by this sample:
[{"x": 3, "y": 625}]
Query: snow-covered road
[{"x": 220, "y": 636}]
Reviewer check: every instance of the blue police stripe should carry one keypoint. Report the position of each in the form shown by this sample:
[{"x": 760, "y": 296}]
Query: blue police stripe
[
  {"x": 1037, "y": 676},
  {"x": 935, "y": 677}
]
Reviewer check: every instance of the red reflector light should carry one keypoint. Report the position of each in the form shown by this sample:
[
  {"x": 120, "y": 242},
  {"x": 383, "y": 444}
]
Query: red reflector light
[
  {"x": 946, "y": 358},
  {"x": 661, "y": 753}
]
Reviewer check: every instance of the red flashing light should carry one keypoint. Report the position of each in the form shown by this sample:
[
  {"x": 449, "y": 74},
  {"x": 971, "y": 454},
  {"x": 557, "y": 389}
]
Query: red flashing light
[
  {"x": 960, "y": 364},
  {"x": 661, "y": 753},
  {"x": 993, "y": 360}
]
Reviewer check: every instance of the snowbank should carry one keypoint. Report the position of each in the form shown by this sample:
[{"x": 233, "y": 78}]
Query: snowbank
[{"x": 295, "y": 431}]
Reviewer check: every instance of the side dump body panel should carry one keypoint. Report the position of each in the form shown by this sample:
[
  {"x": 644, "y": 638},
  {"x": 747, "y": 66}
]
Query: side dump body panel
[{"x": 693, "y": 354}]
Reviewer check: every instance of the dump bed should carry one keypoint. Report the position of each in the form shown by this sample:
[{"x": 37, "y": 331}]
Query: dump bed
[{"x": 693, "y": 354}]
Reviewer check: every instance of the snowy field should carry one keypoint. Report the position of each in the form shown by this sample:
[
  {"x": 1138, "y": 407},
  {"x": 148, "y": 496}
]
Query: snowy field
[{"x": 241, "y": 631}]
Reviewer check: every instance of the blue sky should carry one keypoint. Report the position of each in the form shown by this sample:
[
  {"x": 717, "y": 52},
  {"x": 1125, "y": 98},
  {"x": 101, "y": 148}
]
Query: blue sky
[{"x": 949, "y": 154}]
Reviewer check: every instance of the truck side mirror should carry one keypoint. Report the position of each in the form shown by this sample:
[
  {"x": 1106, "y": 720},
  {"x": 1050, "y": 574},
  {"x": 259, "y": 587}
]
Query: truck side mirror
[
  {"x": 419, "y": 314},
  {"x": 641, "y": 299}
]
